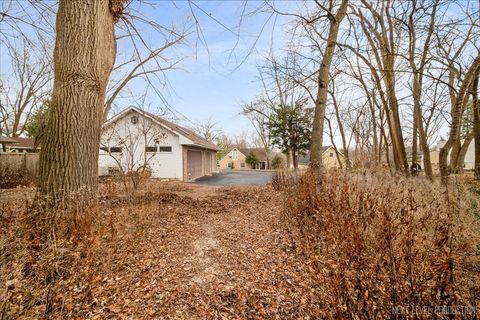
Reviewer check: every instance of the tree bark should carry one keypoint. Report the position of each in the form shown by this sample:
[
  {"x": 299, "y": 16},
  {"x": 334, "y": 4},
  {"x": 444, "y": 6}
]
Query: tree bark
[
  {"x": 323, "y": 80},
  {"x": 462, "y": 153},
  {"x": 457, "y": 110},
  {"x": 83, "y": 59},
  {"x": 418, "y": 72}
]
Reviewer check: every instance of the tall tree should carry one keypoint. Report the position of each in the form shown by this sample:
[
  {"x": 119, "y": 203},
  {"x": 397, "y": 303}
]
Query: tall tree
[
  {"x": 322, "y": 82},
  {"x": 23, "y": 91},
  {"x": 84, "y": 55},
  {"x": 457, "y": 111},
  {"x": 418, "y": 69},
  {"x": 290, "y": 129}
]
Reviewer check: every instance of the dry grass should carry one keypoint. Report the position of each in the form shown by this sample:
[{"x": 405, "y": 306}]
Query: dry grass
[
  {"x": 346, "y": 246},
  {"x": 45, "y": 255},
  {"x": 380, "y": 246}
]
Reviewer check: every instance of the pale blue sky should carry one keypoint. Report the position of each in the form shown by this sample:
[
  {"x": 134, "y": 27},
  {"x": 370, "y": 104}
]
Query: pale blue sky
[{"x": 214, "y": 79}]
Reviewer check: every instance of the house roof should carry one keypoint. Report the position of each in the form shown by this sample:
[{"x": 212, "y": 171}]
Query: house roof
[
  {"x": 24, "y": 143},
  {"x": 258, "y": 152},
  {"x": 7, "y": 140},
  {"x": 185, "y": 132}
]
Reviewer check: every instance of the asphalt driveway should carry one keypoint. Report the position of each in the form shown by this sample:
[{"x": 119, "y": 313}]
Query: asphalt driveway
[{"x": 236, "y": 178}]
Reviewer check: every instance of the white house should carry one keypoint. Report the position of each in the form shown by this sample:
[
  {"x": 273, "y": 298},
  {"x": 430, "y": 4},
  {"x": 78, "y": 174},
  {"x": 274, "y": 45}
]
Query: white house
[
  {"x": 136, "y": 139},
  {"x": 469, "y": 163}
]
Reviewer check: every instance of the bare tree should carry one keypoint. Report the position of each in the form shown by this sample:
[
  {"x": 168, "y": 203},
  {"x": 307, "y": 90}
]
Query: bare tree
[
  {"x": 82, "y": 66},
  {"x": 147, "y": 65},
  {"x": 207, "y": 129},
  {"x": 258, "y": 112},
  {"x": 323, "y": 80},
  {"x": 418, "y": 63},
  {"x": 457, "y": 111},
  {"x": 23, "y": 91}
]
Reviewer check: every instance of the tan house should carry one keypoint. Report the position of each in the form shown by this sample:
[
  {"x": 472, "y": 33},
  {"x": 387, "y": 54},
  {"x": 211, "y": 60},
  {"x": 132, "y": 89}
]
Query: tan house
[
  {"x": 329, "y": 158},
  {"x": 22, "y": 145},
  {"x": 236, "y": 159}
]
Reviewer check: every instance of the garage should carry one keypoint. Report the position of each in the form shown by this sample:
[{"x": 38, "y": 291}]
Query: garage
[
  {"x": 194, "y": 164},
  {"x": 208, "y": 163}
]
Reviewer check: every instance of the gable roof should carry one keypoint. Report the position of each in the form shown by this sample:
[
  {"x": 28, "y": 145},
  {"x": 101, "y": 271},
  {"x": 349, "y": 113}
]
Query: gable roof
[
  {"x": 305, "y": 159},
  {"x": 175, "y": 128},
  {"x": 7, "y": 140},
  {"x": 258, "y": 152},
  {"x": 24, "y": 143}
]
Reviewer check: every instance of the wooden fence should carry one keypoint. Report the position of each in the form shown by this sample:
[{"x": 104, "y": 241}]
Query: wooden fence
[{"x": 20, "y": 162}]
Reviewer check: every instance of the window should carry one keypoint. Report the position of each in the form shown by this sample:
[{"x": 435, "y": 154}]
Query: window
[
  {"x": 134, "y": 119},
  {"x": 151, "y": 149},
  {"x": 242, "y": 165},
  {"x": 234, "y": 155},
  {"x": 104, "y": 149},
  {"x": 165, "y": 149},
  {"x": 331, "y": 154},
  {"x": 116, "y": 149}
]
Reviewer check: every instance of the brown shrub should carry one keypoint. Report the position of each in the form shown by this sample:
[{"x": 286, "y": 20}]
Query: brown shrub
[
  {"x": 379, "y": 246},
  {"x": 11, "y": 177},
  {"x": 45, "y": 253},
  {"x": 285, "y": 178}
]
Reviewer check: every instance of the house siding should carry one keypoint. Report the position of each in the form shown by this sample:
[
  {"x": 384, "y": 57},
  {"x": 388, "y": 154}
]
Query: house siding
[
  {"x": 162, "y": 165},
  {"x": 329, "y": 159},
  {"x": 227, "y": 159}
]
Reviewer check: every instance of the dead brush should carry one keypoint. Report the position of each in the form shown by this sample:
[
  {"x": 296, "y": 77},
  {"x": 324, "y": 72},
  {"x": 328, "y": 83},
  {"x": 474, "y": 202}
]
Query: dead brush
[
  {"x": 286, "y": 178},
  {"x": 46, "y": 256},
  {"x": 383, "y": 247}
]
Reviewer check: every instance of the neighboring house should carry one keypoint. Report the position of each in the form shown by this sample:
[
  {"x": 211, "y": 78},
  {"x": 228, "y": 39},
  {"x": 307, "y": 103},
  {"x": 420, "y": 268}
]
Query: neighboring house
[
  {"x": 236, "y": 159},
  {"x": 469, "y": 163},
  {"x": 6, "y": 143},
  {"x": 329, "y": 158},
  {"x": 22, "y": 145},
  {"x": 135, "y": 139}
]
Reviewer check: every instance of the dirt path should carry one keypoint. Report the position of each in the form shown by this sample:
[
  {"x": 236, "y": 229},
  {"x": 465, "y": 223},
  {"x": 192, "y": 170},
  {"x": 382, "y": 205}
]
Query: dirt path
[{"x": 219, "y": 254}]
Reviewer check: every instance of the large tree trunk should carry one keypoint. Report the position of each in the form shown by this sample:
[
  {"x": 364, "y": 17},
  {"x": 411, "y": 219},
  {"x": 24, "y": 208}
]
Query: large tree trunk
[
  {"x": 322, "y": 93},
  {"x": 457, "y": 110},
  {"x": 83, "y": 59}
]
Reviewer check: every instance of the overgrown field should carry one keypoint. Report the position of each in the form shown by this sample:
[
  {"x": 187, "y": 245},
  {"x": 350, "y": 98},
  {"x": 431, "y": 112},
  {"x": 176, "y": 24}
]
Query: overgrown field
[
  {"x": 383, "y": 247},
  {"x": 335, "y": 246}
]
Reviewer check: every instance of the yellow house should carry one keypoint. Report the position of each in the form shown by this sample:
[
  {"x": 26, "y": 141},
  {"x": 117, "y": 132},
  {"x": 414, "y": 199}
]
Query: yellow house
[
  {"x": 329, "y": 158},
  {"x": 236, "y": 159}
]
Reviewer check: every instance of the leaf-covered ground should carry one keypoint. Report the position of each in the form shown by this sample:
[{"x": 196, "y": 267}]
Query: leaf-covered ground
[{"x": 200, "y": 253}]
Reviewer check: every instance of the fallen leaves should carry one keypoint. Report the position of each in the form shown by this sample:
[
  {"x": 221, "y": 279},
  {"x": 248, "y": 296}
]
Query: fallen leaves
[{"x": 178, "y": 251}]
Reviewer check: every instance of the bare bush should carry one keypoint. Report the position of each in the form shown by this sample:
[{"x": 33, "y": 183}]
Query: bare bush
[
  {"x": 284, "y": 178},
  {"x": 12, "y": 176},
  {"x": 379, "y": 247}
]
